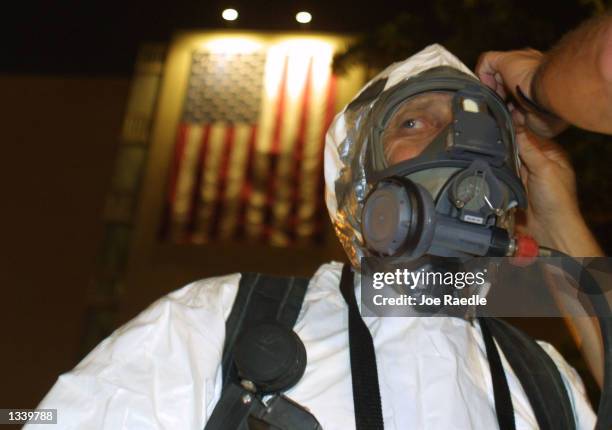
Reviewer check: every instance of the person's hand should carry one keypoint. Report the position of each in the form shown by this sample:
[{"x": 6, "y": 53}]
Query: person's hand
[
  {"x": 553, "y": 216},
  {"x": 504, "y": 71}
]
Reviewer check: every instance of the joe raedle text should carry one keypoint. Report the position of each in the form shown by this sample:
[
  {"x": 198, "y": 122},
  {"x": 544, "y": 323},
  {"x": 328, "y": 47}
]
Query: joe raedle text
[{"x": 424, "y": 300}]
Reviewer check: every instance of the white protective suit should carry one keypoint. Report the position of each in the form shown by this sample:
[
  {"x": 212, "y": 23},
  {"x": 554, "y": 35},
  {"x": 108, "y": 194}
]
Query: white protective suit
[{"x": 162, "y": 369}]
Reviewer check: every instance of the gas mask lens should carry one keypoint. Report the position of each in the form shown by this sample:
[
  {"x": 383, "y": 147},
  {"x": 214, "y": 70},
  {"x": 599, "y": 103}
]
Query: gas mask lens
[{"x": 415, "y": 124}]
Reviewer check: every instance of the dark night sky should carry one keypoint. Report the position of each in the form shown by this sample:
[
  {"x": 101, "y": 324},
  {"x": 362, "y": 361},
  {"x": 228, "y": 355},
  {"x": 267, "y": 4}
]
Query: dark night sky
[{"x": 102, "y": 37}]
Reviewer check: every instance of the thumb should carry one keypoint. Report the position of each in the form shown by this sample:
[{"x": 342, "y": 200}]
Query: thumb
[{"x": 530, "y": 154}]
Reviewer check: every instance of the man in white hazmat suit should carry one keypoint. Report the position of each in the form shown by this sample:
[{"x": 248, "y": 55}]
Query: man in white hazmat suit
[{"x": 162, "y": 370}]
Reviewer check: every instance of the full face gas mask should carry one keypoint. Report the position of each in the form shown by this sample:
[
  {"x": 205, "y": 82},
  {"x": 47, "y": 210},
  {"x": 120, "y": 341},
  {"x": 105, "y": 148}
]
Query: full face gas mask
[{"x": 443, "y": 168}]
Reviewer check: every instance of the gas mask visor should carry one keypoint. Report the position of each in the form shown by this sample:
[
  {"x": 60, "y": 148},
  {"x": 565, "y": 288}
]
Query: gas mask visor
[{"x": 443, "y": 169}]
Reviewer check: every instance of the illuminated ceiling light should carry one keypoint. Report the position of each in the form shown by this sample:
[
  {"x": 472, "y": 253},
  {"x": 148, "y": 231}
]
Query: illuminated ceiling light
[
  {"x": 230, "y": 14},
  {"x": 303, "y": 17}
]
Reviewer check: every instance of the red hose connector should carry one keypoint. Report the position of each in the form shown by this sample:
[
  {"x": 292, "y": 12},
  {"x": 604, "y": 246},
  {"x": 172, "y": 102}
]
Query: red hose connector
[
  {"x": 526, "y": 250},
  {"x": 526, "y": 246}
]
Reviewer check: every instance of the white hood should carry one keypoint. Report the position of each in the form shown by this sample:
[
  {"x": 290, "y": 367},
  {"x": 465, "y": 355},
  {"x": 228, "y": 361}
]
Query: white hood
[{"x": 345, "y": 184}]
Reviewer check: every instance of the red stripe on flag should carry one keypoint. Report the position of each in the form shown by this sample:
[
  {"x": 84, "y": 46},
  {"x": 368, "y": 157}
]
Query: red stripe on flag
[
  {"x": 298, "y": 156},
  {"x": 197, "y": 184},
  {"x": 247, "y": 184},
  {"x": 228, "y": 145},
  {"x": 330, "y": 111},
  {"x": 274, "y": 154},
  {"x": 179, "y": 152}
]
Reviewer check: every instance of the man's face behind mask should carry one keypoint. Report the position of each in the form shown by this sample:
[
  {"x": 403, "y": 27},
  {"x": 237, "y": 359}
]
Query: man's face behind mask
[
  {"x": 416, "y": 122},
  {"x": 441, "y": 169}
]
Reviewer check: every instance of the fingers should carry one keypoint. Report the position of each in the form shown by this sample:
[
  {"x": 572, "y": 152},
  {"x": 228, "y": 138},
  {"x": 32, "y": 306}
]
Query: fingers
[
  {"x": 486, "y": 68},
  {"x": 530, "y": 154},
  {"x": 554, "y": 152},
  {"x": 518, "y": 117},
  {"x": 537, "y": 153},
  {"x": 525, "y": 177},
  {"x": 504, "y": 71},
  {"x": 500, "y": 88}
]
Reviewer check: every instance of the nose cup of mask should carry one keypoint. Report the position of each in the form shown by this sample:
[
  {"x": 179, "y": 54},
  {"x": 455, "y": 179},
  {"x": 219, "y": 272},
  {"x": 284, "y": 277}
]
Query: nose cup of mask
[{"x": 397, "y": 218}]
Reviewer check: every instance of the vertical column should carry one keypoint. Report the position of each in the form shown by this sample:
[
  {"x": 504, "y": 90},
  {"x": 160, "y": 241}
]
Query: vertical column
[{"x": 105, "y": 287}]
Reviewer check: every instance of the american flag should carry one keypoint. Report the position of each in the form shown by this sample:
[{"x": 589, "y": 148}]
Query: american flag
[{"x": 249, "y": 148}]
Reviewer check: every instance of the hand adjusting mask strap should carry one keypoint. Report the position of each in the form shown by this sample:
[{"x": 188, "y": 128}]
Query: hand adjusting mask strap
[{"x": 455, "y": 198}]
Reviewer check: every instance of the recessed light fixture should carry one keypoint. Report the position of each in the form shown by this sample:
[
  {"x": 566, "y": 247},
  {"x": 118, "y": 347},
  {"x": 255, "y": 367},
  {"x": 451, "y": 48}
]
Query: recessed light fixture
[
  {"x": 230, "y": 14},
  {"x": 303, "y": 17}
]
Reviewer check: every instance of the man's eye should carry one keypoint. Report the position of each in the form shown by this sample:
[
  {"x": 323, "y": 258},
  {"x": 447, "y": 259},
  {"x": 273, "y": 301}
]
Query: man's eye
[{"x": 412, "y": 123}]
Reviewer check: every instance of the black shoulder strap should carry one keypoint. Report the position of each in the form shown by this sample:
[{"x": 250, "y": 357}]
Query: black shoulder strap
[
  {"x": 260, "y": 298},
  {"x": 501, "y": 391},
  {"x": 536, "y": 372},
  {"x": 366, "y": 393}
]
